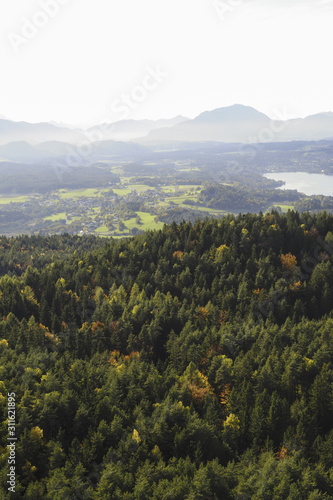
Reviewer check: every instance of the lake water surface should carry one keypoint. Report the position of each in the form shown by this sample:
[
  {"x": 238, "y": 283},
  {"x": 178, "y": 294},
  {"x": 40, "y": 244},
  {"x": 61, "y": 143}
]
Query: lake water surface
[{"x": 309, "y": 184}]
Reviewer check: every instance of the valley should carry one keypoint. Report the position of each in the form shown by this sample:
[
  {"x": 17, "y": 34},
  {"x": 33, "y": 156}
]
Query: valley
[{"x": 122, "y": 195}]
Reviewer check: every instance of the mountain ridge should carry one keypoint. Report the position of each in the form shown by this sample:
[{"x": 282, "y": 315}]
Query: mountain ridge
[{"x": 236, "y": 123}]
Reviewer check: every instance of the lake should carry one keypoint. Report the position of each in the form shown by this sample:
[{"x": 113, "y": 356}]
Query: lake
[{"x": 310, "y": 184}]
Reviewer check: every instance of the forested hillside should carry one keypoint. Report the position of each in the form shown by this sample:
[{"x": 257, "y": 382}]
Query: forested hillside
[{"x": 194, "y": 362}]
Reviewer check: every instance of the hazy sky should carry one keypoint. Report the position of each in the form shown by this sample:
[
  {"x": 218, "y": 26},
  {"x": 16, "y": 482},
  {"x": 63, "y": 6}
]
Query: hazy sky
[{"x": 83, "y": 61}]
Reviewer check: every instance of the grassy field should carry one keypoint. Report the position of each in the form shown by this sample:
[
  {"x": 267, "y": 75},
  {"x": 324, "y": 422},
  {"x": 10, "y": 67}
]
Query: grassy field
[
  {"x": 168, "y": 189},
  {"x": 182, "y": 188},
  {"x": 5, "y": 200},
  {"x": 56, "y": 217},
  {"x": 212, "y": 211},
  {"x": 102, "y": 208},
  {"x": 119, "y": 170},
  {"x": 122, "y": 191},
  {"x": 178, "y": 200},
  {"x": 139, "y": 188},
  {"x": 102, "y": 230},
  {"x": 189, "y": 187},
  {"x": 285, "y": 208},
  {"x": 180, "y": 196},
  {"x": 147, "y": 222},
  {"x": 65, "y": 194}
]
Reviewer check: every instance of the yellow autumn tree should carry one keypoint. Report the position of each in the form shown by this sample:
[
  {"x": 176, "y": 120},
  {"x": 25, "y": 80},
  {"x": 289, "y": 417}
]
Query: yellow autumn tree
[
  {"x": 136, "y": 437},
  {"x": 202, "y": 314},
  {"x": 220, "y": 252},
  {"x": 224, "y": 394},
  {"x": 289, "y": 261},
  {"x": 232, "y": 422},
  {"x": 197, "y": 383}
]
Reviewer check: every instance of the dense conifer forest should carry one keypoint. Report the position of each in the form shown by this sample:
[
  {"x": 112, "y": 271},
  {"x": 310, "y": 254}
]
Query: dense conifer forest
[{"x": 194, "y": 362}]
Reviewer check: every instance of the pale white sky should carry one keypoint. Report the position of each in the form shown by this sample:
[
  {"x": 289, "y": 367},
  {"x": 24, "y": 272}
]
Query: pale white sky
[{"x": 84, "y": 58}]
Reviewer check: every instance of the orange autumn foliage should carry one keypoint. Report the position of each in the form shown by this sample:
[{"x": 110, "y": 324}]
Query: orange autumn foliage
[
  {"x": 95, "y": 326},
  {"x": 224, "y": 394},
  {"x": 223, "y": 316},
  {"x": 178, "y": 255},
  {"x": 289, "y": 262},
  {"x": 117, "y": 358},
  {"x": 202, "y": 314},
  {"x": 281, "y": 455}
]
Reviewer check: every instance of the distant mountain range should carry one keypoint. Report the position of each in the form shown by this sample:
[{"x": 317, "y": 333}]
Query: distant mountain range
[
  {"x": 37, "y": 133},
  {"x": 244, "y": 124},
  {"x": 127, "y": 130},
  {"x": 36, "y": 142}
]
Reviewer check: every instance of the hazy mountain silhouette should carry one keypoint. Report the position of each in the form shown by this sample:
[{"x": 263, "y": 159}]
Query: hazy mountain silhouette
[
  {"x": 23, "y": 141},
  {"x": 130, "y": 129},
  {"x": 240, "y": 123},
  {"x": 36, "y": 133},
  {"x": 231, "y": 124}
]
